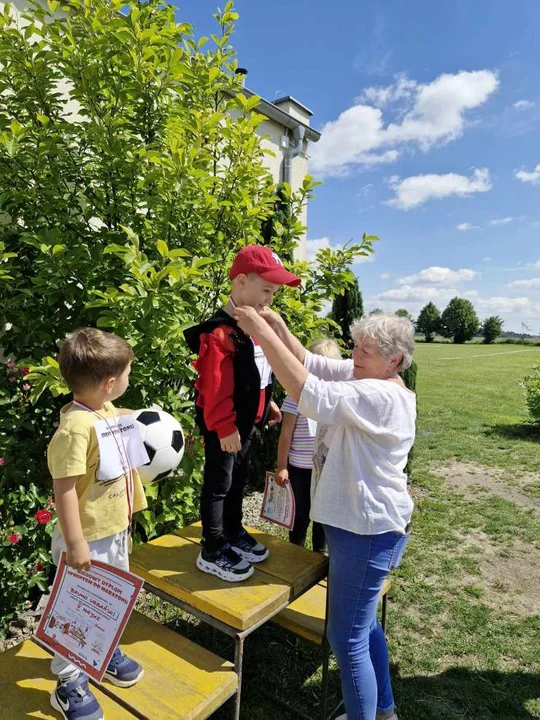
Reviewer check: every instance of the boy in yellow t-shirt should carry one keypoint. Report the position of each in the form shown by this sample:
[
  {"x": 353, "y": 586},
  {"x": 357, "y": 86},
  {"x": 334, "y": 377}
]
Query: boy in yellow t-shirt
[{"x": 94, "y": 504}]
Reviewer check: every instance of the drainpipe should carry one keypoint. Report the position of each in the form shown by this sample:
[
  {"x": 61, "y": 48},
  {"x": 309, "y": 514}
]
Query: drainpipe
[{"x": 292, "y": 152}]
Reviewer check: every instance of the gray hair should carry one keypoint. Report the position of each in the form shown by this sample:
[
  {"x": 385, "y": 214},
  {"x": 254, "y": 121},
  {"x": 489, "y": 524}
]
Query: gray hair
[{"x": 394, "y": 334}]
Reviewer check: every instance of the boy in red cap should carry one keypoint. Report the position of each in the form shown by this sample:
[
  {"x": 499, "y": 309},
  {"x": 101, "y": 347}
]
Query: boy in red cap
[{"x": 233, "y": 400}]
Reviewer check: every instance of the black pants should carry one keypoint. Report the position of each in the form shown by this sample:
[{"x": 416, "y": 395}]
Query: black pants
[
  {"x": 300, "y": 479},
  {"x": 224, "y": 479}
]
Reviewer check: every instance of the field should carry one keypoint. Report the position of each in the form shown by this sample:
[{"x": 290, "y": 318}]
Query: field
[{"x": 464, "y": 615}]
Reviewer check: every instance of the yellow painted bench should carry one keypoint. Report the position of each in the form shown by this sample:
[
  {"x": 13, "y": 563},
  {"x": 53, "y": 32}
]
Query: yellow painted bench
[
  {"x": 306, "y": 616},
  {"x": 182, "y": 681}
]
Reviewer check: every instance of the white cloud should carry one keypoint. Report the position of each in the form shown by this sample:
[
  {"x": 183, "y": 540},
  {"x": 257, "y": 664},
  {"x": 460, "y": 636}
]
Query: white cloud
[
  {"x": 384, "y": 276},
  {"x": 430, "y": 113},
  {"x": 381, "y": 96},
  {"x": 523, "y": 105},
  {"x": 501, "y": 221},
  {"x": 418, "y": 293},
  {"x": 313, "y": 247},
  {"x": 530, "y": 283},
  {"x": 439, "y": 276},
  {"x": 418, "y": 189},
  {"x": 463, "y": 227},
  {"x": 502, "y": 305},
  {"x": 364, "y": 190},
  {"x": 529, "y": 177}
]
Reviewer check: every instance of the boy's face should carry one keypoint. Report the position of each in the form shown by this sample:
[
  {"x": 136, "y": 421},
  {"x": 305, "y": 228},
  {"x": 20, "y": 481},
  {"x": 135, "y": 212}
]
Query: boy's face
[
  {"x": 254, "y": 291},
  {"x": 117, "y": 386}
]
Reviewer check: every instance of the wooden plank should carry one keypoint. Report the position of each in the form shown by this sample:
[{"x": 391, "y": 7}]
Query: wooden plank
[
  {"x": 305, "y": 616},
  {"x": 168, "y": 563},
  {"x": 298, "y": 567},
  {"x": 26, "y": 683},
  {"x": 181, "y": 681}
]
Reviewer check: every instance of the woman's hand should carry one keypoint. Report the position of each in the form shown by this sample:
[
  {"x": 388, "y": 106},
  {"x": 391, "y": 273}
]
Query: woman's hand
[
  {"x": 249, "y": 320},
  {"x": 275, "y": 321}
]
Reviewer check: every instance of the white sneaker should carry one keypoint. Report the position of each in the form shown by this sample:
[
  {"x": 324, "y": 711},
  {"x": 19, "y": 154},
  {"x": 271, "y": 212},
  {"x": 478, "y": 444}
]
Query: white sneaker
[{"x": 226, "y": 565}]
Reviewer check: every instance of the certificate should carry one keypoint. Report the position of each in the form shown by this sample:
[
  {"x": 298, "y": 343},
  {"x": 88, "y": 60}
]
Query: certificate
[
  {"x": 86, "y": 614},
  {"x": 278, "y": 504}
]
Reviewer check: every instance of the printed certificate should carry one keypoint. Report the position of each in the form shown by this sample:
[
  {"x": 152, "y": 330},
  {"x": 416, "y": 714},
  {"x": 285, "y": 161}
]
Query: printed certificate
[
  {"x": 278, "y": 504},
  {"x": 86, "y": 614}
]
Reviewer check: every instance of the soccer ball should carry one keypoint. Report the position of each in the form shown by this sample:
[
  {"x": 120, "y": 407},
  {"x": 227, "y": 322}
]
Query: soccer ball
[{"x": 163, "y": 439}]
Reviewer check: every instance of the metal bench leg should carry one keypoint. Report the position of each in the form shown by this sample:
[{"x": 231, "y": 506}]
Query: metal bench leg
[
  {"x": 238, "y": 665},
  {"x": 383, "y": 612},
  {"x": 324, "y": 688}
]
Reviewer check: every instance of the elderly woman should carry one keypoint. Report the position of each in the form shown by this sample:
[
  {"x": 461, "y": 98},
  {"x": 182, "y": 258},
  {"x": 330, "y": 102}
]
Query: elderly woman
[{"x": 366, "y": 420}]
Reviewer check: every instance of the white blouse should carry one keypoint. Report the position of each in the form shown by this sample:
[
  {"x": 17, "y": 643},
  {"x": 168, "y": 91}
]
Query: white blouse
[{"x": 366, "y": 429}]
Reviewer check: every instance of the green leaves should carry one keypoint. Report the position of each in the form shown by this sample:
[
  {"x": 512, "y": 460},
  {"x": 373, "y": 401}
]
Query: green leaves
[{"x": 131, "y": 173}]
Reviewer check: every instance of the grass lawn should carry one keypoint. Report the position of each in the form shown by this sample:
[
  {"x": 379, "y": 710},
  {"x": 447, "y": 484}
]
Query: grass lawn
[{"x": 464, "y": 614}]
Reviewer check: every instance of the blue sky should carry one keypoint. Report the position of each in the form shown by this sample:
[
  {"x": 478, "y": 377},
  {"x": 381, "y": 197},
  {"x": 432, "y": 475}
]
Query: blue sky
[{"x": 430, "y": 114}]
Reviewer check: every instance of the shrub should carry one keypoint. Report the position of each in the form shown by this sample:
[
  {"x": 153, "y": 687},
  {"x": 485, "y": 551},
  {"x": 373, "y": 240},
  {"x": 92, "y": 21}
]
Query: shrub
[
  {"x": 130, "y": 174},
  {"x": 531, "y": 386}
]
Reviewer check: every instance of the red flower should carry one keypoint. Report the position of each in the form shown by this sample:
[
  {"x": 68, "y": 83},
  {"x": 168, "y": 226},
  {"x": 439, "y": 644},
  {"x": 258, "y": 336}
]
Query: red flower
[
  {"x": 25, "y": 371},
  {"x": 14, "y": 538},
  {"x": 38, "y": 567},
  {"x": 10, "y": 364},
  {"x": 43, "y": 516},
  {"x": 26, "y": 386},
  {"x": 3, "y": 461}
]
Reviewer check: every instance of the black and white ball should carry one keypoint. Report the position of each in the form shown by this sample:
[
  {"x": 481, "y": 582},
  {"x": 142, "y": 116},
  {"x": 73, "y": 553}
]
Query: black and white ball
[{"x": 163, "y": 439}]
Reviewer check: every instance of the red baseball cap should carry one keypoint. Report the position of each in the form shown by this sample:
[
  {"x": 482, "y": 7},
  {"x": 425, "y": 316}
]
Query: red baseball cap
[{"x": 263, "y": 261}]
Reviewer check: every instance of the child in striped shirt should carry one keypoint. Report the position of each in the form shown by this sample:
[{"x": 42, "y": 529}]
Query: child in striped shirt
[{"x": 295, "y": 458}]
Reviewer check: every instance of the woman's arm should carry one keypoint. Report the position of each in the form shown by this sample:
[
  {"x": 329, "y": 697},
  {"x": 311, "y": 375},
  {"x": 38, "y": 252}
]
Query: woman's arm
[
  {"x": 279, "y": 326},
  {"x": 286, "y": 366}
]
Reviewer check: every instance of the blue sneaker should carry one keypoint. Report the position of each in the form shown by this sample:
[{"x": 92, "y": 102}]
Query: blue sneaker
[
  {"x": 122, "y": 670},
  {"x": 74, "y": 701},
  {"x": 247, "y": 547}
]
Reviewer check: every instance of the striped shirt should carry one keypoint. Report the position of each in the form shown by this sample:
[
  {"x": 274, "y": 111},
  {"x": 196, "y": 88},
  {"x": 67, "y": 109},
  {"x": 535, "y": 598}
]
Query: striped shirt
[{"x": 303, "y": 440}]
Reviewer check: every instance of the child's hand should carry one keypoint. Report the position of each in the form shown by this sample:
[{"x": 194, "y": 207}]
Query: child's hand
[
  {"x": 231, "y": 443},
  {"x": 282, "y": 477},
  {"x": 78, "y": 556},
  {"x": 274, "y": 416}
]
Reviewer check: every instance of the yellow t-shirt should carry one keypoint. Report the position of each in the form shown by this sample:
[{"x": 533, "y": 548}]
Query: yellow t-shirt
[{"x": 74, "y": 450}]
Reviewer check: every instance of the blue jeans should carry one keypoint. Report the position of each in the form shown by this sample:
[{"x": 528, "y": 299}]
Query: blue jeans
[{"x": 359, "y": 565}]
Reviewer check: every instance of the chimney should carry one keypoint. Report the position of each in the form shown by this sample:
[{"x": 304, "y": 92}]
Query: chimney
[{"x": 242, "y": 72}]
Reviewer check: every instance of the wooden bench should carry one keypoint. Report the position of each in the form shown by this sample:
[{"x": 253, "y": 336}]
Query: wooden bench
[
  {"x": 168, "y": 566},
  {"x": 181, "y": 681},
  {"x": 306, "y": 618}
]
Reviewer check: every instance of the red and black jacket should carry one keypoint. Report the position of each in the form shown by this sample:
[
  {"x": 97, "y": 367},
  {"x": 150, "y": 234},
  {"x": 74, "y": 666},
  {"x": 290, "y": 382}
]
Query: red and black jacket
[{"x": 228, "y": 390}]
